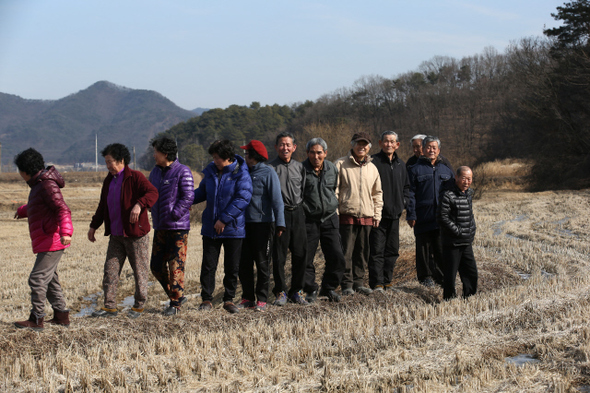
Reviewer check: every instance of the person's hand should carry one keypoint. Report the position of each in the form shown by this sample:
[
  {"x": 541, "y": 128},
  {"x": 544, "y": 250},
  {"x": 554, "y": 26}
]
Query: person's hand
[
  {"x": 280, "y": 231},
  {"x": 135, "y": 213},
  {"x": 91, "y": 235},
  {"x": 411, "y": 223},
  {"x": 376, "y": 223},
  {"x": 219, "y": 227},
  {"x": 65, "y": 240}
]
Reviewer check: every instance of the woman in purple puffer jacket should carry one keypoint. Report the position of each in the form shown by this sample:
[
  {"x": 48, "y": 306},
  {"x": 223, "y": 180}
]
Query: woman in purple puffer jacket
[
  {"x": 171, "y": 220},
  {"x": 50, "y": 227}
]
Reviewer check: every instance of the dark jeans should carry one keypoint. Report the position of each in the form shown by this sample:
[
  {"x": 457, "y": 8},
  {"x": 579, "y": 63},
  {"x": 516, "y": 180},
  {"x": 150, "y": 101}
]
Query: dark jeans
[
  {"x": 256, "y": 249},
  {"x": 429, "y": 258},
  {"x": 167, "y": 263},
  {"x": 461, "y": 259},
  {"x": 327, "y": 233},
  {"x": 294, "y": 238},
  {"x": 44, "y": 283},
  {"x": 384, "y": 242},
  {"x": 211, "y": 248},
  {"x": 355, "y": 246}
]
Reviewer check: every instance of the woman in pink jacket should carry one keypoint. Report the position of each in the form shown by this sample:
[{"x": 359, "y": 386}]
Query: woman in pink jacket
[{"x": 50, "y": 227}]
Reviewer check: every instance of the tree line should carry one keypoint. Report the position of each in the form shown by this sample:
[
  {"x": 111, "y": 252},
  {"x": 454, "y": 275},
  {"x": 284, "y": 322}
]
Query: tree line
[{"x": 530, "y": 102}]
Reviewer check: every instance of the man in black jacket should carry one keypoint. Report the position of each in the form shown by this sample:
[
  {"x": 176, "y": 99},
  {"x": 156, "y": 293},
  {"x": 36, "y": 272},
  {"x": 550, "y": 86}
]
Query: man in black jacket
[
  {"x": 455, "y": 216},
  {"x": 321, "y": 221},
  {"x": 384, "y": 239}
]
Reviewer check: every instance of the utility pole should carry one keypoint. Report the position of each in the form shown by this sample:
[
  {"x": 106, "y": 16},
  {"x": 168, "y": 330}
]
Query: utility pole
[{"x": 96, "y": 152}]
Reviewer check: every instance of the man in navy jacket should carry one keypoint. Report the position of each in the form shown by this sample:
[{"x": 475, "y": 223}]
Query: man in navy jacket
[{"x": 428, "y": 178}]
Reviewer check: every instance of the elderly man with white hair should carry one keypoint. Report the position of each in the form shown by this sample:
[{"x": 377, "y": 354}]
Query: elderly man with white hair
[
  {"x": 360, "y": 201},
  {"x": 428, "y": 178},
  {"x": 416, "y": 143}
]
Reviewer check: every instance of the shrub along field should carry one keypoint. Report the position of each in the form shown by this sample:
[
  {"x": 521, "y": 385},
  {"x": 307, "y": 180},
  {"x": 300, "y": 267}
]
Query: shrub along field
[{"x": 526, "y": 330}]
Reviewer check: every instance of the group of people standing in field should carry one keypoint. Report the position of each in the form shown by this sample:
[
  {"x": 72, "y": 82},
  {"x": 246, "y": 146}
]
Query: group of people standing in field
[{"x": 258, "y": 211}]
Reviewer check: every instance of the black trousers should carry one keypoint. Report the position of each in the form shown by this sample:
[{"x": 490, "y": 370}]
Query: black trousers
[
  {"x": 461, "y": 259},
  {"x": 384, "y": 241},
  {"x": 328, "y": 234},
  {"x": 256, "y": 249},
  {"x": 355, "y": 246},
  {"x": 429, "y": 258},
  {"x": 294, "y": 238},
  {"x": 232, "y": 249}
]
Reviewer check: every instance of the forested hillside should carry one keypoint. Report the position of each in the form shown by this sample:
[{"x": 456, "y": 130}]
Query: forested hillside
[{"x": 532, "y": 101}]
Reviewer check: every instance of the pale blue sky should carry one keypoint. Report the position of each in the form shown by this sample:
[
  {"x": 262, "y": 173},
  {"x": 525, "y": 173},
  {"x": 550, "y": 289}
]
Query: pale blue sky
[{"x": 214, "y": 54}]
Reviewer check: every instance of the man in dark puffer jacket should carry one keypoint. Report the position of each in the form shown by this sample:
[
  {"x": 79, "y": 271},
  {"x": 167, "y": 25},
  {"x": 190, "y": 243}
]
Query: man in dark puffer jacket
[{"x": 455, "y": 216}]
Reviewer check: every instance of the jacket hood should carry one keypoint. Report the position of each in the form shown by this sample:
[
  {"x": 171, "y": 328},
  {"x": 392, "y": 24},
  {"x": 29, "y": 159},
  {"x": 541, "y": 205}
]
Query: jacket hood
[
  {"x": 230, "y": 168},
  {"x": 50, "y": 173}
]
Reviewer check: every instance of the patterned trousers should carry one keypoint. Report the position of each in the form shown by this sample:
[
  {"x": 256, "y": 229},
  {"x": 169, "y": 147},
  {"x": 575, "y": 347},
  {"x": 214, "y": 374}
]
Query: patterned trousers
[
  {"x": 136, "y": 249},
  {"x": 167, "y": 264}
]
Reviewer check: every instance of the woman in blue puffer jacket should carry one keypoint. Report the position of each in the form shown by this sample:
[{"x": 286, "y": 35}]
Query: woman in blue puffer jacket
[
  {"x": 227, "y": 188},
  {"x": 171, "y": 219}
]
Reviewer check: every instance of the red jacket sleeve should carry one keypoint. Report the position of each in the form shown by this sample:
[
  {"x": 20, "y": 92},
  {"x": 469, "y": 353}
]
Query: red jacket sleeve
[
  {"x": 22, "y": 211},
  {"x": 149, "y": 193}
]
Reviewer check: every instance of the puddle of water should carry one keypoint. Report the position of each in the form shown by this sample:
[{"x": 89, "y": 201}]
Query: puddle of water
[
  {"x": 86, "y": 311},
  {"x": 128, "y": 302},
  {"x": 522, "y": 359},
  {"x": 562, "y": 221},
  {"x": 498, "y": 227},
  {"x": 89, "y": 309},
  {"x": 526, "y": 276}
]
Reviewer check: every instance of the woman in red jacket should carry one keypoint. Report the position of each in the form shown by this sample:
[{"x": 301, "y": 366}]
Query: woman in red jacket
[
  {"x": 50, "y": 227},
  {"x": 125, "y": 197}
]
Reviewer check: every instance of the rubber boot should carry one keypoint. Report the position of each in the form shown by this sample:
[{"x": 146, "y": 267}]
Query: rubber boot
[
  {"x": 32, "y": 323},
  {"x": 60, "y": 318}
]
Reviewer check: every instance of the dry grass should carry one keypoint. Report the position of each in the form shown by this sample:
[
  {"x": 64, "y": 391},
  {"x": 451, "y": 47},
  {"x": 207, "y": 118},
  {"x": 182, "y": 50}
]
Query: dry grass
[
  {"x": 507, "y": 174},
  {"x": 407, "y": 340}
]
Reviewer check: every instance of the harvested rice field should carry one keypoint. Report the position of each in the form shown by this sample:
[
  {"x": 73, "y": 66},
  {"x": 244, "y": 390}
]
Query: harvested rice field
[{"x": 526, "y": 330}]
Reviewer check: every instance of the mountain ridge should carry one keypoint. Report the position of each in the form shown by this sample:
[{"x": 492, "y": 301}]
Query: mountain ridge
[{"x": 64, "y": 130}]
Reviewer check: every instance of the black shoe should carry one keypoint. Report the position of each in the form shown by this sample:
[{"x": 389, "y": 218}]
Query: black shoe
[
  {"x": 205, "y": 306},
  {"x": 311, "y": 297},
  {"x": 331, "y": 295},
  {"x": 171, "y": 310},
  {"x": 231, "y": 308}
]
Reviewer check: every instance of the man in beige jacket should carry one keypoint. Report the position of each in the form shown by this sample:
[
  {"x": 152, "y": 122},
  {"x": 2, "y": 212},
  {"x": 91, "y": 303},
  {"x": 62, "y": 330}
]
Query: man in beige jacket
[{"x": 360, "y": 201}]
